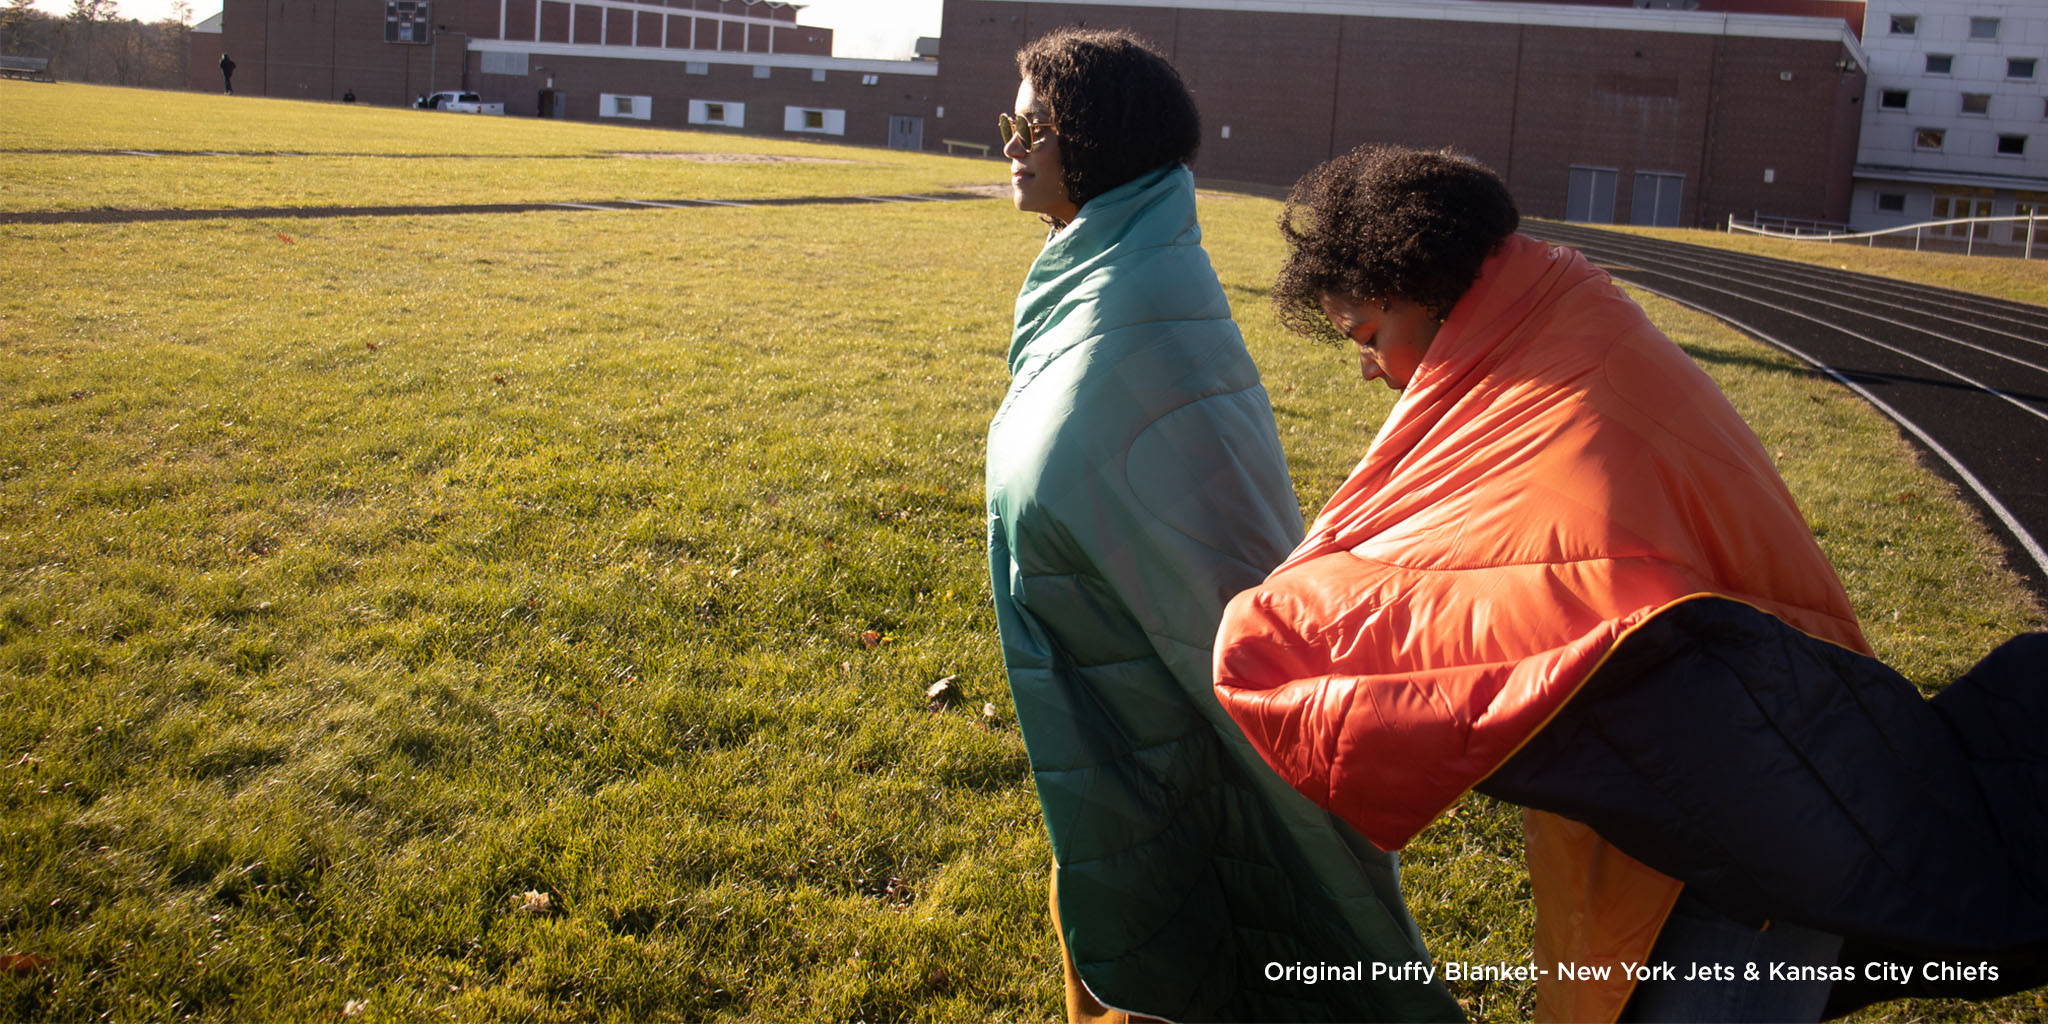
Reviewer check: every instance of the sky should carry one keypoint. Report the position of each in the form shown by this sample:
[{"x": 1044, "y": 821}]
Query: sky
[{"x": 884, "y": 29}]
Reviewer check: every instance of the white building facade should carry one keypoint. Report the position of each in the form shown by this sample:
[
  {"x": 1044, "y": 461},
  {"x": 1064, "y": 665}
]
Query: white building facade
[{"x": 1955, "y": 123}]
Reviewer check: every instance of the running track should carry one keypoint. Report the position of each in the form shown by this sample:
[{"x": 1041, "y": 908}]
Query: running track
[{"x": 1965, "y": 376}]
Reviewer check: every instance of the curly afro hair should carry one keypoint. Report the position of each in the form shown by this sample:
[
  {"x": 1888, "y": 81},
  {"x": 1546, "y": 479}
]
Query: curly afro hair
[
  {"x": 1119, "y": 109},
  {"x": 1388, "y": 222}
]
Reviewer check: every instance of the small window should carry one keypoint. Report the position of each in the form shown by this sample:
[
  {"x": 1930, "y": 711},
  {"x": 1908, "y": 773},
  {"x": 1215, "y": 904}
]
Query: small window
[
  {"x": 1891, "y": 202},
  {"x": 870, "y": 79},
  {"x": 1983, "y": 28},
  {"x": 1977, "y": 103},
  {"x": 806, "y": 119},
  {"x": 2012, "y": 145},
  {"x": 696, "y": 67},
  {"x": 2019, "y": 67},
  {"x": 1892, "y": 99},
  {"x": 817, "y": 74},
  {"x": 763, "y": 71},
  {"x": 1929, "y": 138},
  {"x": 1940, "y": 63},
  {"x": 638, "y": 108},
  {"x": 1905, "y": 24},
  {"x": 718, "y": 112}
]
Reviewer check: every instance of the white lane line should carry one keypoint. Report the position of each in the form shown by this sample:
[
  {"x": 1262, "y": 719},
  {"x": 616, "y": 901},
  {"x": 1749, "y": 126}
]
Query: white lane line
[
  {"x": 2036, "y": 367},
  {"x": 587, "y": 206},
  {"x": 1887, "y": 346},
  {"x": 1844, "y": 281},
  {"x": 2026, "y": 540}
]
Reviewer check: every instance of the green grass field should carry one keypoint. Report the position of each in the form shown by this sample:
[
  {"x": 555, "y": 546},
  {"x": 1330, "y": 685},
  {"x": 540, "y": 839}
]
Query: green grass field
[{"x": 361, "y": 577}]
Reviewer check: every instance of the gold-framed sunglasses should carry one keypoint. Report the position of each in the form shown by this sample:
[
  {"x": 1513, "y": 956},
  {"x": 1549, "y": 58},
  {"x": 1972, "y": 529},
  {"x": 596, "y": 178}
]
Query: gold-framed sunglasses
[{"x": 1014, "y": 127}]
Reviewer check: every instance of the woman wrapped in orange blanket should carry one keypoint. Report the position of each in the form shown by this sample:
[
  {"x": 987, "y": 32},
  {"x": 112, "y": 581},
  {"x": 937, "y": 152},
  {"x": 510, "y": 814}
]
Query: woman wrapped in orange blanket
[{"x": 1567, "y": 573}]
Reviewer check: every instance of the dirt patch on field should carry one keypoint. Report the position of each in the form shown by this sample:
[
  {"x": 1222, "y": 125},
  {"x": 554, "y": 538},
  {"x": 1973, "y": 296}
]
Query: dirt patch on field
[
  {"x": 735, "y": 158},
  {"x": 992, "y": 191}
]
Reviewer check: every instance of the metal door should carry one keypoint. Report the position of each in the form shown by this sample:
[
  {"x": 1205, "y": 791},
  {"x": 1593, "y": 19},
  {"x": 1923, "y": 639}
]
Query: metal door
[
  {"x": 1656, "y": 199},
  {"x": 906, "y": 132},
  {"x": 1590, "y": 197}
]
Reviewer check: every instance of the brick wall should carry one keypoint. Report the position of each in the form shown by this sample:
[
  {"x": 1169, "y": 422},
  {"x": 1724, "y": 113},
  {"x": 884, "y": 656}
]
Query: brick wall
[
  {"x": 1530, "y": 101},
  {"x": 579, "y": 81},
  {"x": 320, "y": 50}
]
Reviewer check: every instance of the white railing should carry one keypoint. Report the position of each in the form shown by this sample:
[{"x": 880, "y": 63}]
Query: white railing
[
  {"x": 1937, "y": 230},
  {"x": 1794, "y": 226}
]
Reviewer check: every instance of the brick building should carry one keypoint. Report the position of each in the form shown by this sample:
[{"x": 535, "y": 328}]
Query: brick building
[
  {"x": 1599, "y": 113},
  {"x": 742, "y": 64},
  {"x": 1647, "y": 111}
]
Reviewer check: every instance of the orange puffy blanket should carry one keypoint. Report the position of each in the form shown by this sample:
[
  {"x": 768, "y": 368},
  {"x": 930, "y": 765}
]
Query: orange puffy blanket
[{"x": 1556, "y": 472}]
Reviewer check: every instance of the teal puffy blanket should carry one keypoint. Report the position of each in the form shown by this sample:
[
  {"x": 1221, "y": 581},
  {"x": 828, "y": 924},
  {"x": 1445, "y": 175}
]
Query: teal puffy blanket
[{"x": 1135, "y": 484}]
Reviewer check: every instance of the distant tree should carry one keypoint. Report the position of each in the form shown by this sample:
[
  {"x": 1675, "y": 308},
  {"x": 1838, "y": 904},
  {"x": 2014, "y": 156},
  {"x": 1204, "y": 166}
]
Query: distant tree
[
  {"x": 169, "y": 47},
  {"x": 88, "y": 15},
  {"x": 15, "y": 20}
]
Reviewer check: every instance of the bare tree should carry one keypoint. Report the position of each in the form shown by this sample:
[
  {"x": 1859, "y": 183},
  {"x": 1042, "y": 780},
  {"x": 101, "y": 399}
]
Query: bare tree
[
  {"x": 14, "y": 22},
  {"x": 88, "y": 15},
  {"x": 169, "y": 45}
]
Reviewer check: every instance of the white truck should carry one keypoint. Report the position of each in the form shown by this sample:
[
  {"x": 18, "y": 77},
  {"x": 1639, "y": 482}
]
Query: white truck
[{"x": 459, "y": 103}]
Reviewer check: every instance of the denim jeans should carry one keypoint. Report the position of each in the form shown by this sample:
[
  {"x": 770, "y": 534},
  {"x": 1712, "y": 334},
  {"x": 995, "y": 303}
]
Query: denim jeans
[{"x": 1697, "y": 935}]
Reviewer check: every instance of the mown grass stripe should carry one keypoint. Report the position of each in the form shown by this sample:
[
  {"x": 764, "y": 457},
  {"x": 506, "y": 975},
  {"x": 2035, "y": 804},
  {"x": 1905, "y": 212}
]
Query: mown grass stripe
[{"x": 322, "y": 212}]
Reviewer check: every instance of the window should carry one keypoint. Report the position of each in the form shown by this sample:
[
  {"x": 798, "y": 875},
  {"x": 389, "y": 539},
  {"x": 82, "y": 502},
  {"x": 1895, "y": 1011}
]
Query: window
[
  {"x": 870, "y": 79},
  {"x": 718, "y": 112},
  {"x": 1983, "y": 28},
  {"x": 1977, "y": 103},
  {"x": 1905, "y": 24},
  {"x": 1891, "y": 202},
  {"x": 2019, "y": 67},
  {"x": 1940, "y": 63},
  {"x": 505, "y": 64},
  {"x": 763, "y": 71},
  {"x": 1929, "y": 138},
  {"x": 2012, "y": 145},
  {"x": 1954, "y": 206},
  {"x": 813, "y": 120},
  {"x": 1892, "y": 99},
  {"x": 817, "y": 74},
  {"x": 639, "y": 108}
]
